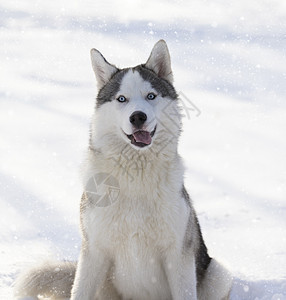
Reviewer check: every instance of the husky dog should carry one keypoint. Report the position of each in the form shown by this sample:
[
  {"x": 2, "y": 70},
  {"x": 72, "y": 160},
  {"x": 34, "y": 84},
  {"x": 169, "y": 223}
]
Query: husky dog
[{"x": 141, "y": 237}]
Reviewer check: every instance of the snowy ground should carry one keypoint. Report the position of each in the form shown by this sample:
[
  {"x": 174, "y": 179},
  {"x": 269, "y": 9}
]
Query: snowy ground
[{"x": 228, "y": 60}]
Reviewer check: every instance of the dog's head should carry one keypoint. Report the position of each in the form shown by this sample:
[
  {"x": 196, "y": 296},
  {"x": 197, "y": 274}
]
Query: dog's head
[{"x": 135, "y": 107}]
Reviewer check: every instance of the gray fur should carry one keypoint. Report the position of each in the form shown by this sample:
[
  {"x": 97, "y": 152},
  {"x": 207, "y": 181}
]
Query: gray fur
[
  {"x": 163, "y": 86},
  {"x": 108, "y": 91},
  {"x": 194, "y": 239},
  {"x": 50, "y": 280}
]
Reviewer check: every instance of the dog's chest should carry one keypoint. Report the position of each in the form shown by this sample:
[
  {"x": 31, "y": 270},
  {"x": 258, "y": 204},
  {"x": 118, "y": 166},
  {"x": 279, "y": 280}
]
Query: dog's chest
[
  {"x": 131, "y": 226},
  {"x": 138, "y": 269},
  {"x": 139, "y": 273},
  {"x": 137, "y": 237}
]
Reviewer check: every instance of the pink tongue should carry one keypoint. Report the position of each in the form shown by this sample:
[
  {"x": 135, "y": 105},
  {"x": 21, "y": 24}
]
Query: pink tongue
[{"x": 142, "y": 137}]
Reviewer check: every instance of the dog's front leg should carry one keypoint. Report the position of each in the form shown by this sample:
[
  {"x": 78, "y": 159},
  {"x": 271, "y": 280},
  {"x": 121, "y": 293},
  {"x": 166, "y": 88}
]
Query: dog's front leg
[
  {"x": 181, "y": 274},
  {"x": 91, "y": 274}
]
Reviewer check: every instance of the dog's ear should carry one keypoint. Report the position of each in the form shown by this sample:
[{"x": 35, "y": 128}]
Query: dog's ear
[
  {"x": 159, "y": 61},
  {"x": 102, "y": 68}
]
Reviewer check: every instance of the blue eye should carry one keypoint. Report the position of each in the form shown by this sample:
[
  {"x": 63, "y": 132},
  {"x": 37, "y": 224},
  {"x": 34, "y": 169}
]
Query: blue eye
[
  {"x": 151, "y": 96},
  {"x": 121, "y": 99}
]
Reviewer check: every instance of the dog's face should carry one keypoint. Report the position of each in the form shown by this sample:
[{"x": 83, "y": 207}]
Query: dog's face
[{"x": 134, "y": 105}]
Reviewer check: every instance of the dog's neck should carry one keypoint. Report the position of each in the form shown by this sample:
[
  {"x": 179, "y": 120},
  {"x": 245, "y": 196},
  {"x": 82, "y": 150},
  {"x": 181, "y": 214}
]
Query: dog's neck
[{"x": 137, "y": 170}]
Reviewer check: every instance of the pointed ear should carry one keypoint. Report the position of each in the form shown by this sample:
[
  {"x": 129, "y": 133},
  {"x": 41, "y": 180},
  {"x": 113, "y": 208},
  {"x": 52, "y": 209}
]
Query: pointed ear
[
  {"x": 159, "y": 61},
  {"x": 102, "y": 68}
]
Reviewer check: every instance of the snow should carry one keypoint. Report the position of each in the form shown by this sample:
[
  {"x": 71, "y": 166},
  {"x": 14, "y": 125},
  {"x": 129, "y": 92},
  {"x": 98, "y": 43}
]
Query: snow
[{"x": 229, "y": 66}]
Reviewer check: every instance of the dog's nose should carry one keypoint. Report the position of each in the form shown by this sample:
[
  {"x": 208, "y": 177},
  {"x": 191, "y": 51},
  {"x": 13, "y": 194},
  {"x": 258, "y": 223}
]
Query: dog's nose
[{"x": 137, "y": 119}]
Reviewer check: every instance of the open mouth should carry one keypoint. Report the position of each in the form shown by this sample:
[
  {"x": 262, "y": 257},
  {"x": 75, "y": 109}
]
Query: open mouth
[{"x": 141, "y": 138}]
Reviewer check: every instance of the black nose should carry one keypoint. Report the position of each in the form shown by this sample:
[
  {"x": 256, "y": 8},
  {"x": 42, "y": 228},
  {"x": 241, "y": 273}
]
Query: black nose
[{"x": 137, "y": 119}]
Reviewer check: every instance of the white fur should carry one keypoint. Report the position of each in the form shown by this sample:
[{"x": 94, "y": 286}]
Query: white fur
[
  {"x": 216, "y": 284},
  {"x": 135, "y": 89}
]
